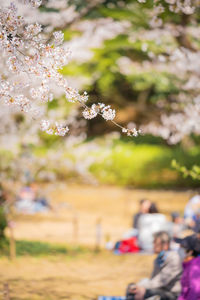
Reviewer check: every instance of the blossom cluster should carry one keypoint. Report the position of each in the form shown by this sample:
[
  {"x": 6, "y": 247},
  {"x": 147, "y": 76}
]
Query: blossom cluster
[
  {"x": 176, "y": 126},
  {"x": 108, "y": 114},
  {"x": 58, "y": 129},
  {"x": 186, "y": 7},
  {"x": 176, "y": 6},
  {"x": 131, "y": 132},
  {"x": 105, "y": 111}
]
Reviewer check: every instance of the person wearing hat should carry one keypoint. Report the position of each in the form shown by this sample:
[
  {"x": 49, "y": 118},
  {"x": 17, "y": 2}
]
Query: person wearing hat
[{"x": 190, "y": 280}]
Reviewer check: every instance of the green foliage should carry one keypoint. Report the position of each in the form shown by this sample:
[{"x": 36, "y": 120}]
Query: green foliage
[
  {"x": 4, "y": 247},
  {"x": 194, "y": 172},
  {"x": 142, "y": 165},
  {"x": 43, "y": 8},
  {"x": 69, "y": 34},
  {"x": 134, "y": 14},
  {"x": 47, "y": 140},
  {"x": 162, "y": 83},
  {"x": 144, "y": 162}
]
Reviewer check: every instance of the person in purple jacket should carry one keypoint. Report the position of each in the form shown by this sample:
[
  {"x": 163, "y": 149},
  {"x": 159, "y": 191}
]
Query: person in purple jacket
[{"x": 190, "y": 280}]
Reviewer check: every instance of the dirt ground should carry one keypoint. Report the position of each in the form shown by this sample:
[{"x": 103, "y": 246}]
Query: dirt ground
[
  {"x": 73, "y": 220},
  {"x": 83, "y": 277}
]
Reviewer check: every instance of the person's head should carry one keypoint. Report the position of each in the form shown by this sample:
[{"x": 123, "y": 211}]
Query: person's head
[
  {"x": 176, "y": 218},
  {"x": 144, "y": 206},
  {"x": 189, "y": 246},
  {"x": 153, "y": 209},
  {"x": 161, "y": 241}
]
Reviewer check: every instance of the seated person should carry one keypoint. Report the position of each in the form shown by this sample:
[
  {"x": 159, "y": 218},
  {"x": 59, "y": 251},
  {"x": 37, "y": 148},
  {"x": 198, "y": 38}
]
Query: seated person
[
  {"x": 165, "y": 278},
  {"x": 191, "y": 210},
  {"x": 144, "y": 206},
  {"x": 148, "y": 225},
  {"x": 25, "y": 200},
  {"x": 31, "y": 201},
  {"x": 190, "y": 280}
]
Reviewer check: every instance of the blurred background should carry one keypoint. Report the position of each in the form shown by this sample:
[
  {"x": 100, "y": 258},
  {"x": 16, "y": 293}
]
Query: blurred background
[{"x": 88, "y": 183}]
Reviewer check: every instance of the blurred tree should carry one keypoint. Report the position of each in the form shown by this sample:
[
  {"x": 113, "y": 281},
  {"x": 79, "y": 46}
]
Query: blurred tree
[{"x": 144, "y": 58}]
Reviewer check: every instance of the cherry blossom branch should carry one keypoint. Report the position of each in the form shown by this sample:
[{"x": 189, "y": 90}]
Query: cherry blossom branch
[{"x": 41, "y": 62}]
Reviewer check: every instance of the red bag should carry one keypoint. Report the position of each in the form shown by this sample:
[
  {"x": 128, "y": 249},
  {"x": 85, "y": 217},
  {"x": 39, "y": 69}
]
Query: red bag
[{"x": 129, "y": 245}]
